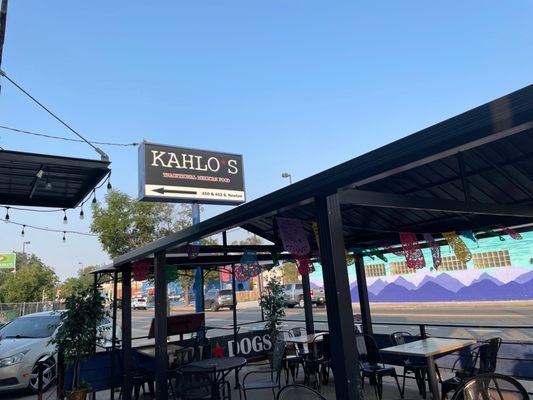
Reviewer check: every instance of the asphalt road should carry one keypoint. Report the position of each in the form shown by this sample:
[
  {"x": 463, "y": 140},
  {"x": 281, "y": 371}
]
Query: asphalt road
[{"x": 489, "y": 317}]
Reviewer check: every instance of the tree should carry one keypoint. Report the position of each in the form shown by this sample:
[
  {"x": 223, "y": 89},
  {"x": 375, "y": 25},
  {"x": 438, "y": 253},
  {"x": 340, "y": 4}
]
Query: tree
[
  {"x": 82, "y": 282},
  {"x": 32, "y": 281},
  {"x": 273, "y": 305},
  {"x": 290, "y": 273},
  {"x": 249, "y": 240}
]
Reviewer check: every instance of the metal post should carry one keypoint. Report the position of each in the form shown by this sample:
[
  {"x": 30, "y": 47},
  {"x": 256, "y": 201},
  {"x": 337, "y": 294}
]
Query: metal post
[
  {"x": 95, "y": 291},
  {"x": 127, "y": 385},
  {"x": 3, "y": 20},
  {"x": 161, "y": 354},
  {"x": 235, "y": 333},
  {"x": 308, "y": 304},
  {"x": 114, "y": 335},
  {"x": 198, "y": 275},
  {"x": 337, "y": 288},
  {"x": 366, "y": 319}
]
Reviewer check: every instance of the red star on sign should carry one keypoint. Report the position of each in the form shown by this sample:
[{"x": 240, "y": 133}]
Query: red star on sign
[
  {"x": 218, "y": 351},
  {"x": 223, "y": 162}
]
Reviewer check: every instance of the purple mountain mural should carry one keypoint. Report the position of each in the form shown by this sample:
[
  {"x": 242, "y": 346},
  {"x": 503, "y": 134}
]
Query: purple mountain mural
[
  {"x": 354, "y": 293},
  {"x": 486, "y": 277},
  {"x": 488, "y": 290},
  {"x": 443, "y": 280},
  {"x": 377, "y": 286},
  {"x": 391, "y": 293},
  {"x": 527, "y": 277},
  {"x": 401, "y": 281}
]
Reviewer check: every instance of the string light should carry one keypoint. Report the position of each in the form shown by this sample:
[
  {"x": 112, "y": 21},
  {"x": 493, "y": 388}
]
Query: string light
[
  {"x": 48, "y": 185},
  {"x": 64, "y": 236},
  {"x": 109, "y": 187},
  {"x": 6, "y": 218},
  {"x": 22, "y": 233},
  {"x": 94, "y": 197},
  {"x": 40, "y": 228},
  {"x": 82, "y": 214},
  {"x": 65, "y": 219}
]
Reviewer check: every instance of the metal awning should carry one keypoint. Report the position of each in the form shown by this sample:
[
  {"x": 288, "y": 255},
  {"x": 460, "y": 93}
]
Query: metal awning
[
  {"x": 471, "y": 171},
  {"x": 42, "y": 180}
]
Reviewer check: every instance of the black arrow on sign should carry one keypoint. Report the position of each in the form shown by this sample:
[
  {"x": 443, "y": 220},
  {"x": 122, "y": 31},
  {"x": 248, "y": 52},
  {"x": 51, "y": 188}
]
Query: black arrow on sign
[{"x": 163, "y": 191}]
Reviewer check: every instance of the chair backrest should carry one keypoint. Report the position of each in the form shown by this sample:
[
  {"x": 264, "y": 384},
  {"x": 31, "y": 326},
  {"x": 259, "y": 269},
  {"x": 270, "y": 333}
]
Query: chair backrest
[
  {"x": 368, "y": 349},
  {"x": 491, "y": 386},
  {"x": 196, "y": 382},
  {"x": 277, "y": 358},
  {"x": 488, "y": 355},
  {"x": 326, "y": 347},
  {"x": 296, "y": 331},
  {"x": 398, "y": 338},
  {"x": 299, "y": 392}
]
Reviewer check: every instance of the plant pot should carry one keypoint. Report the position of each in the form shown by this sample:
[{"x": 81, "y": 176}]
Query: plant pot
[{"x": 80, "y": 394}]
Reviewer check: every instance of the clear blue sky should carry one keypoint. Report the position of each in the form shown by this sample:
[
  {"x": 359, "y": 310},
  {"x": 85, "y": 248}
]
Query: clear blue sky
[{"x": 295, "y": 86}]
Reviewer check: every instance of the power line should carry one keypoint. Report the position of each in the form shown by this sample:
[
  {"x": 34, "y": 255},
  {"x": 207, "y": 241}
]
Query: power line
[
  {"x": 97, "y": 149},
  {"x": 44, "y": 135}
]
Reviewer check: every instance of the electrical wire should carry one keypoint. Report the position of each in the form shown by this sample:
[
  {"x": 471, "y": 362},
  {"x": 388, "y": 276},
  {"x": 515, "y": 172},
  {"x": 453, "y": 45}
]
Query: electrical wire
[
  {"x": 98, "y": 150},
  {"x": 46, "y": 136}
]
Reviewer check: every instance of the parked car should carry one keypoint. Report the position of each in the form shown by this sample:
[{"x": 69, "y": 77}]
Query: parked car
[
  {"x": 294, "y": 295},
  {"x": 138, "y": 303},
  {"x": 215, "y": 299},
  {"x": 24, "y": 341}
]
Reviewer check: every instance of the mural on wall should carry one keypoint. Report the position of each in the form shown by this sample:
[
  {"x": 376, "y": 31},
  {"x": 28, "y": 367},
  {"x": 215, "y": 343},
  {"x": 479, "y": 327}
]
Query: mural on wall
[{"x": 499, "y": 270}]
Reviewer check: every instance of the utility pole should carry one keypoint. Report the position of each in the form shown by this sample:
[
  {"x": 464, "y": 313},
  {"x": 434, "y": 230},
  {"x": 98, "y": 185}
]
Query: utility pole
[{"x": 3, "y": 20}]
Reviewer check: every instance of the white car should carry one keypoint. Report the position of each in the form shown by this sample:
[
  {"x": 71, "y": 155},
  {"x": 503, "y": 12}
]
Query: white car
[
  {"x": 138, "y": 303},
  {"x": 24, "y": 341}
]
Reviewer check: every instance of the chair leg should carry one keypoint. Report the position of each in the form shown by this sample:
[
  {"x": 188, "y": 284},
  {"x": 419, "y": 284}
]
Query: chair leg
[
  {"x": 379, "y": 384},
  {"x": 398, "y": 384},
  {"x": 403, "y": 381}
]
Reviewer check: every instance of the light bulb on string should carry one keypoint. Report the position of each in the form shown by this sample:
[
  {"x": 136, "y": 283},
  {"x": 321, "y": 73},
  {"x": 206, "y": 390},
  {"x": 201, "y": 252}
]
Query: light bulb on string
[
  {"x": 7, "y": 215},
  {"x": 109, "y": 187},
  {"x": 64, "y": 236},
  {"x": 65, "y": 219},
  {"x": 82, "y": 214},
  {"x": 22, "y": 232},
  {"x": 48, "y": 185},
  {"x": 94, "y": 196}
]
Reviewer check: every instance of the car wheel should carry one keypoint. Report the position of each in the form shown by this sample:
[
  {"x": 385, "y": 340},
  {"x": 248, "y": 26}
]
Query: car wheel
[
  {"x": 301, "y": 303},
  {"x": 214, "y": 307},
  {"x": 290, "y": 305},
  {"x": 230, "y": 307},
  {"x": 48, "y": 375}
]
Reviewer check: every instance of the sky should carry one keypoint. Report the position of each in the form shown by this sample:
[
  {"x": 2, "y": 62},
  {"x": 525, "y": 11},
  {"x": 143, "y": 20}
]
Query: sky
[{"x": 295, "y": 86}]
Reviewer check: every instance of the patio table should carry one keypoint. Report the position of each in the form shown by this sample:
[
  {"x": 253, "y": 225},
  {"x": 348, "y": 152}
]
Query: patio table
[
  {"x": 306, "y": 339},
  {"x": 430, "y": 349},
  {"x": 222, "y": 366}
]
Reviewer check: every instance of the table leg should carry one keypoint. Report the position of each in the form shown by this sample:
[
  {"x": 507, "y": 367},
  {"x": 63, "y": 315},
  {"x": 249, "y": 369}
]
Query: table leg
[{"x": 432, "y": 379}]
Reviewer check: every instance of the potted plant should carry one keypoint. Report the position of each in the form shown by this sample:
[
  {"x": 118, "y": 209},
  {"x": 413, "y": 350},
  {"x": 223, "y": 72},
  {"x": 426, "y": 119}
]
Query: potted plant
[
  {"x": 77, "y": 332},
  {"x": 273, "y": 303}
]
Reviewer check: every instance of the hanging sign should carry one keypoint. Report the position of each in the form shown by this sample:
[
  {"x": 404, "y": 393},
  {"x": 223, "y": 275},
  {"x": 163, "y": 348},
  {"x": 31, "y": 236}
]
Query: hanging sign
[
  {"x": 181, "y": 175},
  {"x": 412, "y": 251},
  {"x": 459, "y": 247}
]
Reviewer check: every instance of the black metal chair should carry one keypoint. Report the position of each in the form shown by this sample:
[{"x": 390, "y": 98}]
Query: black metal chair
[
  {"x": 318, "y": 361},
  {"x": 485, "y": 353},
  {"x": 417, "y": 366},
  {"x": 372, "y": 365},
  {"x": 491, "y": 386},
  {"x": 294, "y": 355},
  {"x": 195, "y": 383},
  {"x": 274, "y": 373},
  {"x": 299, "y": 392}
]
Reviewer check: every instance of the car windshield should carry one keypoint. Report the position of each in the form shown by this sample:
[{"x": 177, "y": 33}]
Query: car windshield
[
  {"x": 30, "y": 327},
  {"x": 225, "y": 292}
]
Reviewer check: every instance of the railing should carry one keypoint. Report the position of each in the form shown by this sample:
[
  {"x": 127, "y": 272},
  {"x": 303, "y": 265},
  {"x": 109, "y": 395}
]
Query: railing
[{"x": 10, "y": 311}]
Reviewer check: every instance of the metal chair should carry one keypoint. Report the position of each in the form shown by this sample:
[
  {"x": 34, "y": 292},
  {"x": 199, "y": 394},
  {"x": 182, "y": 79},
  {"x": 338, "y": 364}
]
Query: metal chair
[
  {"x": 299, "y": 392},
  {"x": 417, "y": 366},
  {"x": 195, "y": 383},
  {"x": 485, "y": 353},
  {"x": 372, "y": 365},
  {"x": 491, "y": 386},
  {"x": 274, "y": 373}
]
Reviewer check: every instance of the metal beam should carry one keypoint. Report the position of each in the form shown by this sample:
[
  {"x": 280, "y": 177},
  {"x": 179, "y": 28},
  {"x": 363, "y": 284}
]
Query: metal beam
[
  {"x": 161, "y": 355},
  {"x": 362, "y": 289},
  {"x": 127, "y": 384},
  {"x": 114, "y": 336},
  {"x": 391, "y": 200},
  {"x": 308, "y": 304},
  {"x": 339, "y": 309}
]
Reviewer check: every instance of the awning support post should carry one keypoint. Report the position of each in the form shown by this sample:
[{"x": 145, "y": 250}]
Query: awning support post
[
  {"x": 308, "y": 305},
  {"x": 339, "y": 303},
  {"x": 362, "y": 289},
  {"x": 161, "y": 355},
  {"x": 114, "y": 335},
  {"x": 127, "y": 385}
]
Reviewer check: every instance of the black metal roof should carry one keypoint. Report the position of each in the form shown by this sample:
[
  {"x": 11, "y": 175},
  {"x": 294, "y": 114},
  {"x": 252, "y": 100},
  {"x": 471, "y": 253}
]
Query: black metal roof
[
  {"x": 472, "y": 171},
  {"x": 24, "y": 178}
]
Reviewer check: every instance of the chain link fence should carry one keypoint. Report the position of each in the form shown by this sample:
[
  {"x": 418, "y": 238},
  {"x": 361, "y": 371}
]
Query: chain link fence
[{"x": 10, "y": 311}]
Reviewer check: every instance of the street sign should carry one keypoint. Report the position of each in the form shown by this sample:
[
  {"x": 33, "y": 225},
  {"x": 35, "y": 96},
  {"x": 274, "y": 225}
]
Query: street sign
[
  {"x": 181, "y": 175},
  {"x": 8, "y": 261}
]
